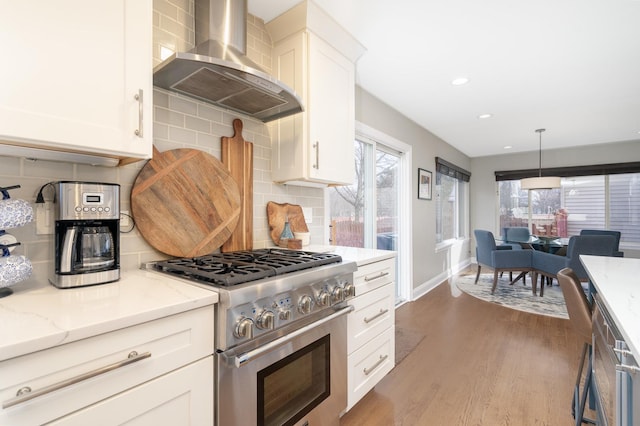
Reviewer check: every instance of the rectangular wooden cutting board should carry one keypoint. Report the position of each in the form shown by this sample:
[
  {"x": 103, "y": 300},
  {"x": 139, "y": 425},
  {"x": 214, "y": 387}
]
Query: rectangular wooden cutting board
[{"x": 237, "y": 156}]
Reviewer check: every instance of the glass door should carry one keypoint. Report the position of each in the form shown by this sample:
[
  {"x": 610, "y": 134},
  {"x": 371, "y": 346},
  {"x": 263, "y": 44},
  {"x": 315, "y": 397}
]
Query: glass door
[
  {"x": 387, "y": 165},
  {"x": 348, "y": 204},
  {"x": 366, "y": 213}
]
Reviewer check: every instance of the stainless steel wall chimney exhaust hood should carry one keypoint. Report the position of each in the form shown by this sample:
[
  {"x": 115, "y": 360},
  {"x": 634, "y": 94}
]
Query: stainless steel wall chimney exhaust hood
[{"x": 218, "y": 72}]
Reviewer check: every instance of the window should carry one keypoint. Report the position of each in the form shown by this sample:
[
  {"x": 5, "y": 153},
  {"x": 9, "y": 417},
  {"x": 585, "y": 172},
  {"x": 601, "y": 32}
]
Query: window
[
  {"x": 582, "y": 202},
  {"x": 451, "y": 196}
]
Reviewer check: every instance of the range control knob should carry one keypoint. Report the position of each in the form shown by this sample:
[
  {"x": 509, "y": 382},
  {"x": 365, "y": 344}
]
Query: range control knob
[
  {"x": 337, "y": 294},
  {"x": 266, "y": 320},
  {"x": 323, "y": 298},
  {"x": 305, "y": 303},
  {"x": 349, "y": 290},
  {"x": 244, "y": 328},
  {"x": 284, "y": 314}
]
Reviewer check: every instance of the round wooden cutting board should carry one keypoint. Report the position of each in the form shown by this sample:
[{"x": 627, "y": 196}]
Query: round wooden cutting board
[{"x": 185, "y": 203}]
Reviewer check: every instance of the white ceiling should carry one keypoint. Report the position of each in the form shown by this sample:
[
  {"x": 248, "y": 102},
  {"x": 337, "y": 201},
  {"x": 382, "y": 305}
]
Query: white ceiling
[{"x": 570, "y": 66}]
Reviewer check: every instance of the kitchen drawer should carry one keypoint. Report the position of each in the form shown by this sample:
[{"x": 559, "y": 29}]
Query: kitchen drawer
[
  {"x": 369, "y": 364},
  {"x": 172, "y": 341},
  {"x": 181, "y": 397},
  {"x": 371, "y": 276},
  {"x": 373, "y": 313}
]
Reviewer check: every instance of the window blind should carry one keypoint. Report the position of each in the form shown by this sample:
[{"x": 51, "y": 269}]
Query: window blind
[
  {"x": 592, "y": 170},
  {"x": 450, "y": 169}
]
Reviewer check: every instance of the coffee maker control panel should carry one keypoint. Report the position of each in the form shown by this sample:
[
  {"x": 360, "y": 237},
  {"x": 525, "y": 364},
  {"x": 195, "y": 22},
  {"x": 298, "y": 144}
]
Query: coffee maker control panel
[{"x": 88, "y": 201}]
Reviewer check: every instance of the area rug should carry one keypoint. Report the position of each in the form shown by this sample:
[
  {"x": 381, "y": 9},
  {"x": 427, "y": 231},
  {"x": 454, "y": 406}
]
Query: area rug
[
  {"x": 406, "y": 341},
  {"x": 517, "y": 296}
]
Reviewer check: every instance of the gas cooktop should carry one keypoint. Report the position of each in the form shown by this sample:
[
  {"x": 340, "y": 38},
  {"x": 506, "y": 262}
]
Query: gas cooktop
[{"x": 233, "y": 268}]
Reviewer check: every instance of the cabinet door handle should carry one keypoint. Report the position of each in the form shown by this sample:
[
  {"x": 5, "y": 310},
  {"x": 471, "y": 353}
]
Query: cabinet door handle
[
  {"x": 26, "y": 394},
  {"x": 139, "y": 97},
  {"x": 380, "y": 275},
  {"x": 378, "y": 315},
  {"x": 317, "y": 147},
  {"x": 382, "y": 359}
]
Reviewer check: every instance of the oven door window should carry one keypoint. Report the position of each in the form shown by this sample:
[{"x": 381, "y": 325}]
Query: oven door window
[{"x": 295, "y": 385}]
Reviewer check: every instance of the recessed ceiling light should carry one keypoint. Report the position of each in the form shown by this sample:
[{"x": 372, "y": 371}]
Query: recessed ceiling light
[
  {"x": 482, "y": 116},
  {"x": 507, "y": 147},
  {"x": 460, "y": 81}
]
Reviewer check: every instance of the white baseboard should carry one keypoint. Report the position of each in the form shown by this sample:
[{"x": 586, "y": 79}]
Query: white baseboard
[{"x": 434, "y": 282}]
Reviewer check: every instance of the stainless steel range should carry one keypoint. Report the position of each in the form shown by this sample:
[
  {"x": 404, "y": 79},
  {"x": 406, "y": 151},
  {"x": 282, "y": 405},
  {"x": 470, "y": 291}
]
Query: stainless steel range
[{"x": 280, "y": 333}]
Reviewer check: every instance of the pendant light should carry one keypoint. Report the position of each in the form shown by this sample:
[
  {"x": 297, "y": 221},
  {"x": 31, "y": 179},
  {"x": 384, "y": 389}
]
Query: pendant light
[{"x": 547, "y": 182}]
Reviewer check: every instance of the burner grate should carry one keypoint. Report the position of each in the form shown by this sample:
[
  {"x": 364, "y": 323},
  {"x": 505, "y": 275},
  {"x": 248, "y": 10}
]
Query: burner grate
[
  {"x": 232, "y": 268},
  {"x": 212, "y": 270}
]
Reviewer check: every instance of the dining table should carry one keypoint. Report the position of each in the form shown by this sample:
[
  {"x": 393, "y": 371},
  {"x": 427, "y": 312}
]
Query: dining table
[{"x": 550, "y": 244}]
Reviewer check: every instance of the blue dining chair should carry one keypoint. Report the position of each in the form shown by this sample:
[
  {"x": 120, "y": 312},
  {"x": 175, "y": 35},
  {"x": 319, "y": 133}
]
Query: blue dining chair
[
  {"x": 549, "y": 265},
  {"x": 499, "y": 258},
  {"x": 515, "y": 236},
  {"x": 616, "y": 234}
]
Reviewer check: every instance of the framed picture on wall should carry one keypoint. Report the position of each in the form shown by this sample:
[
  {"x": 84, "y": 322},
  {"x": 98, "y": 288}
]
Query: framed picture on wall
[{"x": 424, "y": 184}]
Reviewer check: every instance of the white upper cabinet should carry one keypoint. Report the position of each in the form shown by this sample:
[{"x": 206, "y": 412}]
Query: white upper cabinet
[
  {"x": 316, "y": 57},
  {"x": 77, "y": 76}
]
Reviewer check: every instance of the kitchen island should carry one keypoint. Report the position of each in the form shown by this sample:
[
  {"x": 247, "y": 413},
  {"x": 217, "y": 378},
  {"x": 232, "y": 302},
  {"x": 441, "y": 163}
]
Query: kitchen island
[
  {"x": 616, "y": 339},
  {"x": 616, "y": 279}
]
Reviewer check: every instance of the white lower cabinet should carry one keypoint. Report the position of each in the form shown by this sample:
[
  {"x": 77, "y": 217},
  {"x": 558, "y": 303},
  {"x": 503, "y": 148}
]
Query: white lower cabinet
[
  {"x": 93, "y": 381},
  {"x": 371, "y": 328},
  {"x": 369, "y": 364},
  {"x": 182, "y": 397}
]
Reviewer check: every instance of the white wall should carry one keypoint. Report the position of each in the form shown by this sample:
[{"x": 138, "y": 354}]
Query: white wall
[{"x": 484, "y": 187}]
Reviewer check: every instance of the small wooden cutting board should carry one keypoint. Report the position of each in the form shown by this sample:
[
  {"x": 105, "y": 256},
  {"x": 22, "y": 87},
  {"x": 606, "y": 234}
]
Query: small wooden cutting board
[
  {"x": 277, "y": 214},
  {"x": 185, "y": 203}
]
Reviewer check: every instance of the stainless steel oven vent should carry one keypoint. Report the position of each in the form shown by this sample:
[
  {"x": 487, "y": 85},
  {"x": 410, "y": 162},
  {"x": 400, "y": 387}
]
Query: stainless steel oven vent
[{"x": 217, "y": 70}]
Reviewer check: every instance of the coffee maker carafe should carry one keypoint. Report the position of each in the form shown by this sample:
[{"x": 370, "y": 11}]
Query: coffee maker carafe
[{"x": 87, "y": 230}]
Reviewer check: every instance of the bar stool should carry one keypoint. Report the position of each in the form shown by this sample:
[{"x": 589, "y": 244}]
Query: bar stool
[{"x": 580, "y": 318}]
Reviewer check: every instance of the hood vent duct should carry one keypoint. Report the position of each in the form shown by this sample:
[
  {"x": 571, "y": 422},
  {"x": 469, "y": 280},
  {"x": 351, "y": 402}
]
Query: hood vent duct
[{"x": 217, "y": 70}]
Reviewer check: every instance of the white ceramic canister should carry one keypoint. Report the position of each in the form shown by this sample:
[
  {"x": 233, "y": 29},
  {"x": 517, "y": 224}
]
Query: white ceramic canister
[
  {"x": 14, "y": 269},
  {"x": 15, "y": 213}
]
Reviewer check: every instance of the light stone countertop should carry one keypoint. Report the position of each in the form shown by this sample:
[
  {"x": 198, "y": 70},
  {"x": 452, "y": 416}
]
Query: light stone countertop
[
  {"x": 43, "y": 316},
  {"x": 361, "y": 256},
  {"x": 617, "y": 280},
  {"x": 38, "y": 317}
]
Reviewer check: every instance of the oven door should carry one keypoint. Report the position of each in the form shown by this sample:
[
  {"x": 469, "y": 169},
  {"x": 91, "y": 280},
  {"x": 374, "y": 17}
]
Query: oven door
[{"x": 298, "y": 379}]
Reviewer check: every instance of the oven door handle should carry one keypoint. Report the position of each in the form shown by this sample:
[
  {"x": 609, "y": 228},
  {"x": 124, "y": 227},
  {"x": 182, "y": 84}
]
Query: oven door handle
[{"x": 240, "y": 360}]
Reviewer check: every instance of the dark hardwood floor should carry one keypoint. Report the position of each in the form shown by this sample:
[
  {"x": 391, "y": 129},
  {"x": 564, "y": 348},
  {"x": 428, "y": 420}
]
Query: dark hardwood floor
[{"x": 479, "y": 364}]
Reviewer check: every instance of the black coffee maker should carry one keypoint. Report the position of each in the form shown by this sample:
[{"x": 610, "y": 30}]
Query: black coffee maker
[{"x": 87, "y": 234}]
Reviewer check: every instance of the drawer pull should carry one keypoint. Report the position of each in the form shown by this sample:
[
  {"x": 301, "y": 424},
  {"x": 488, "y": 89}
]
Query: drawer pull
[
  {"x": 27, "y": 394},
  {"x": 378, "y": 315},
  {"x": 380, "y": 275},
  {"x": 382, "y": 359}
]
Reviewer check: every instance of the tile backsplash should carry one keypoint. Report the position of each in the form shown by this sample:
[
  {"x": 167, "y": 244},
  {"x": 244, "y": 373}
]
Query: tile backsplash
[{"x": 179, "y": 122}]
